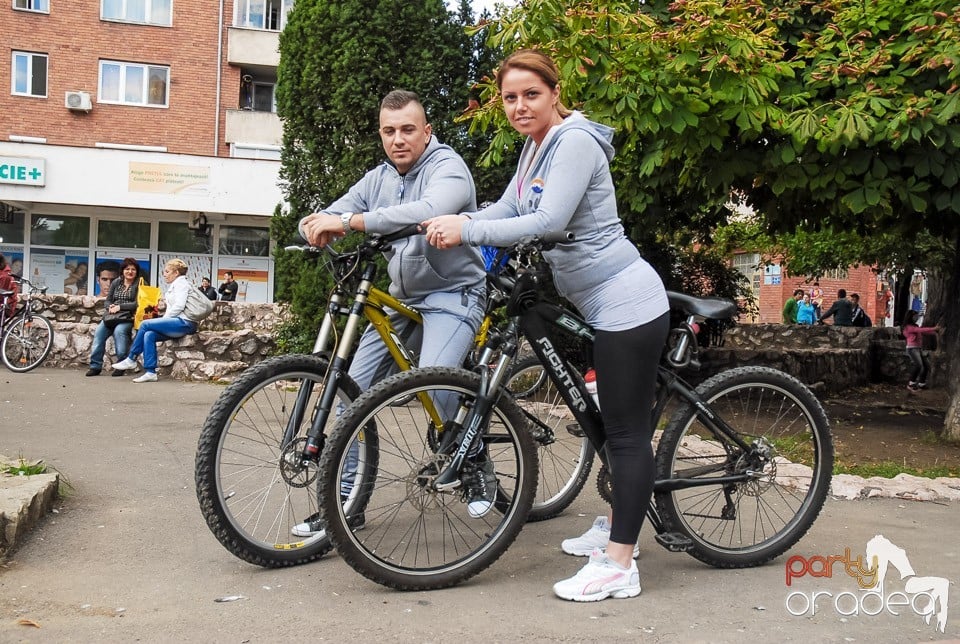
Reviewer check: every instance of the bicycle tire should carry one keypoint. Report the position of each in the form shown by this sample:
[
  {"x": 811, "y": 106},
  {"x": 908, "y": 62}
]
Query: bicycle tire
[
  {"x": 565, "y": 459},
  {"x": 415, "y": 538},
  {"x": 766, "y": 407},
  {"x": 26, "y": 342},
  {"x": 240, "y": 471}
]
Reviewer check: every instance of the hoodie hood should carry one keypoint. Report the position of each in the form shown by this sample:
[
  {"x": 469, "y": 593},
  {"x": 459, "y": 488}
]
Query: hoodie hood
[{"x": 602, "y": 134}]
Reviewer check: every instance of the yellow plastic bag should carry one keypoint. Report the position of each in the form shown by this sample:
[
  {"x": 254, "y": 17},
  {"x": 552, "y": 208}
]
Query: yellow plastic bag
[{"x": 148, "y": 297}]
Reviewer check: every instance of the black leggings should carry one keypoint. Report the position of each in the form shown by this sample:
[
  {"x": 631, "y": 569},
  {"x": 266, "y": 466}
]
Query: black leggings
[{"x": 626, "y": 364}]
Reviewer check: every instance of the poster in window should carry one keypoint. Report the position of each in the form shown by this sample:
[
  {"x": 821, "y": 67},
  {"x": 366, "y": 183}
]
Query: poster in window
[
  {"x": 108, "y": 264},
  {"x": 14, "y": 257},
  {"x": 251, "y": 274},
  {"x": 198, "y": 267}
]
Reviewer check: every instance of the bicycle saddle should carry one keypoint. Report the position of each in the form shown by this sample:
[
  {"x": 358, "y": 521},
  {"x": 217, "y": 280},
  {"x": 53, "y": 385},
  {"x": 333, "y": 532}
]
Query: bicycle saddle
[{"x": 716, "y": 308}]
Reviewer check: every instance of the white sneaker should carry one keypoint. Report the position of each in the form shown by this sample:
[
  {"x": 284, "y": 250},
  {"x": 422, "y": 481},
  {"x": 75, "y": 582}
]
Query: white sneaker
[
  {"x": 599, "y": 579},
  {"x": 125, "y": 364},
  {"x": 148, "y": 376},
  {"x": 596, "y": 538}
]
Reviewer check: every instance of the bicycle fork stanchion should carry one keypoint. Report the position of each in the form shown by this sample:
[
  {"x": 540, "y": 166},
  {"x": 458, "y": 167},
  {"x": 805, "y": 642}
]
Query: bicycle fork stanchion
[
  {"x": 473, "y": 419},
  {"x": 338, "y": 368}
]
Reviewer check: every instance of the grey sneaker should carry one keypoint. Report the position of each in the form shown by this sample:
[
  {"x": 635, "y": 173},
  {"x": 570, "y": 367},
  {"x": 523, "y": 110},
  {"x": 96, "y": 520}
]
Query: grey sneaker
[
  {"x": 481, "y": 489},
  {"x": 314, "y": 525}
]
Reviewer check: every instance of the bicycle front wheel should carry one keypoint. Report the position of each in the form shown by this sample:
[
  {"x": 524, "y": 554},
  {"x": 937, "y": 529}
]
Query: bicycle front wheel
[
  {"x": 26, "y": 342},
  {"x": 403, "y": 533},
  {"x": 565, "y": 458},
  {"x": 788, "y": 466},
  {"x": 252, "y": 489}
]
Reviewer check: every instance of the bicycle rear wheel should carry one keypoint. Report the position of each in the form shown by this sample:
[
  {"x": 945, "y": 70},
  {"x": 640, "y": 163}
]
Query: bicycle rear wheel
[
  {"x": 251, "y": 489},
  {"x": 565, "y": 459},
  {"x": 26, "y": 342},
  {"x": 789, "y": 466},
  {"x": 414, "y": 537}
]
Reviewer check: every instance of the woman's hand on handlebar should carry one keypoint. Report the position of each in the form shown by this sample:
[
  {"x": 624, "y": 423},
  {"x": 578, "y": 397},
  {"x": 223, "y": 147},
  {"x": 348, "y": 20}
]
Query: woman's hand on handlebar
[
  {"x": 444, "y": 231},
  {"x": 321, "y": 228}
]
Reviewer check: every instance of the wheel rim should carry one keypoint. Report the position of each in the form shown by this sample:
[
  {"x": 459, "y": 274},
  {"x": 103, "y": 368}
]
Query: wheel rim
[
  {"x": 26, "y": 343},
  {"x": 762, "y": 509},
  {"x": 562, "y": 455},
  {"x": 263, "y": 493},
  {"x": 409, "y": 527}
]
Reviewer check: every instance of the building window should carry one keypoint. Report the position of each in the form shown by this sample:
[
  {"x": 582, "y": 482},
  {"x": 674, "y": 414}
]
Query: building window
[
  {"x": 178, "y": 238},
  {"x": 29, "y": 77},
  {"x": 132, "y": 84},
  {"x": 263, "y": 97},
  {"x": 48, "y": 230},
  {"x": 123, "y": 234},
  {"x": 263, "y": 14},
  {"x": 254, "y": 151},
  {"x": 150, "y": 12},
  {"x": 749, "y": 266},
  {"x": 32, "y": 5},
  {"x": 244, "y": 241}
]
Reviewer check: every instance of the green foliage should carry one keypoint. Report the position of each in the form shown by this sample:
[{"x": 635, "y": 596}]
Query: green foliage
[
  {"x": 831, "y": 115},
  {"x": 337, "y": 62}
]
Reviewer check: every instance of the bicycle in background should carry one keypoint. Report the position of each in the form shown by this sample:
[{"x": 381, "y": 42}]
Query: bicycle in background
[{"x": 27, "y": 337}]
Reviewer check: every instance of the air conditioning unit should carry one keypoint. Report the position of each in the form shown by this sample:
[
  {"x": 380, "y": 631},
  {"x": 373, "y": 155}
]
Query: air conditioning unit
[{"x": 79, "y": 101}]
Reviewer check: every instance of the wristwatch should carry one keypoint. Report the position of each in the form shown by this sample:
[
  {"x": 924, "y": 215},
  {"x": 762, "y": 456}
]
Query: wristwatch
[{"x": 345, "y": 220}]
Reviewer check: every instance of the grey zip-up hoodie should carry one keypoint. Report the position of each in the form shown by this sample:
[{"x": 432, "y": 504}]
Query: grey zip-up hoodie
[
  {"x": 438, "y": 183},
  {"x": 566, "y": 186}
]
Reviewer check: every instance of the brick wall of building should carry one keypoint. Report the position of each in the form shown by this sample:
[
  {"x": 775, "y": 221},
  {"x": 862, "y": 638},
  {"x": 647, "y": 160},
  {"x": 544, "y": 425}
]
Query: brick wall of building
[{"x": 81, "y": 40}]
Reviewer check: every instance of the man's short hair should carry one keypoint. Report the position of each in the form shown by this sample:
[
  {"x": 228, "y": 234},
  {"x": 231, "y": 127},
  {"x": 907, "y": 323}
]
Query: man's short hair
[
  {"x": 226, "y": 273},
  {"x": 799, "y": 292},
  {"x": 399, "y": 99},
  {"x": 855, "y": 296},
  {"x": 842, "y": 293},
  {"x": 108, "y": 265}
]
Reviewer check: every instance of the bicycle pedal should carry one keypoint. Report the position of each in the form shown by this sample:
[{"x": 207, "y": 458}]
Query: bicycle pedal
[
  {"x": 574, "y": 429},
  {"x": 674, "y": 541}
]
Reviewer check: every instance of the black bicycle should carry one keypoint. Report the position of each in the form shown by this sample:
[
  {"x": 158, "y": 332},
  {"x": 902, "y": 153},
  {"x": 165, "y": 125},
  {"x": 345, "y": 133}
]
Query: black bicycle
[
  {"x": 743, "y": 465},
  {"x": 26, "y": 338}
]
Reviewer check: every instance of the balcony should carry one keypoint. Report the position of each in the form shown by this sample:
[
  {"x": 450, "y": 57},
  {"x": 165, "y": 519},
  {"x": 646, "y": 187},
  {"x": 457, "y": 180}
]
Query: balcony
[
  {"x": 248, "y": 126},
  {"x": 253, "y": 47}
]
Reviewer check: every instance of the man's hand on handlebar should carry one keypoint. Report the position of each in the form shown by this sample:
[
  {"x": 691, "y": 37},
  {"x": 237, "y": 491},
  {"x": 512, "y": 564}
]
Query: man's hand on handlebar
[
  {"x": 444, "y": 231},
  {"x": 321, "y": 228}
]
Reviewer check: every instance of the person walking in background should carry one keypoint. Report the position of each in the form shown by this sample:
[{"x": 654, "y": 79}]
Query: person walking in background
[
  {"x": 207, "y": 289},
  {"x": 841, "y": 310},
  {"x": 859, "y": 317},
  {"x": 118, "y": 310},
  {"x": 806, "y": 313},
  {"x": 790, "y": 307},
  {"x": 7, "y": 283},
  {"x": 914, "y": 337},
  {"x": 173, "y": 324},
  {"x": 563, "y": 182},
  {"x": 816, "y": 298},
  {"x": 228, "y": 290}
]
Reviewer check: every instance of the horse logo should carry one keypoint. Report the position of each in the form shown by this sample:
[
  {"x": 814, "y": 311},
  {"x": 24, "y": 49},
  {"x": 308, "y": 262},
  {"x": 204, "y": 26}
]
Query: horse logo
[{"x": 883, "y": 553}]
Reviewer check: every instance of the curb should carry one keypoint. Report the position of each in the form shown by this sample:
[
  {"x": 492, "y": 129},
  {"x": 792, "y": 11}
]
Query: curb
[{"x": 24, "y": 500}]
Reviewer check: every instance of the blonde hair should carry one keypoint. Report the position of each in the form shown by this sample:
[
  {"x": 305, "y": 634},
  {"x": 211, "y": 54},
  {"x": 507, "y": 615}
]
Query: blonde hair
[
  {"x": 540, "y": 64},
  {"x": 178, "y": 265}
]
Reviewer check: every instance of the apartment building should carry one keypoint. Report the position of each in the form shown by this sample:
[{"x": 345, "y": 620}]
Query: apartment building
[{"x": 139, "y": 128}]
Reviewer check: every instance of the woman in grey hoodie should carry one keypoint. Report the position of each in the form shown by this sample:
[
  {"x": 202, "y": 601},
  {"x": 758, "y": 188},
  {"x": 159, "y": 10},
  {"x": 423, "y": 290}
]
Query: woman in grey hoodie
[{"x": 563, "y": 182}]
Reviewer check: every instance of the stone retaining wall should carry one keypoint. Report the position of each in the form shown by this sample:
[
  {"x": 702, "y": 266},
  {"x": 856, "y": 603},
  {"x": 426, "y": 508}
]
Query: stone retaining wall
[
  {"x": 236, "y": 335},
  {"x": 239, "y": 334},
  {"x": 833, "y": 358}
]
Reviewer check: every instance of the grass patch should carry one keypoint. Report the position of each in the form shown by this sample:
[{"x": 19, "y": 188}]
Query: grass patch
[
  {"x": 889, "y": 469},
  {"x": 23, "y": 468}
]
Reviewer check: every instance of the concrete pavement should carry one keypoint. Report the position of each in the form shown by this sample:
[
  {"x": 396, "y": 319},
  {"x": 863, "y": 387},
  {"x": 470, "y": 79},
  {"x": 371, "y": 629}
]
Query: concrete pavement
[{"x": 128, "y": 556}]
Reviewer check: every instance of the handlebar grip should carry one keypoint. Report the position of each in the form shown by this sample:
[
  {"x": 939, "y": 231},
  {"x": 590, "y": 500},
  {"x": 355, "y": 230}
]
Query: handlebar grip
[
  {"x": 558, "y": 237},
  {"x": 407, "y": 231}
]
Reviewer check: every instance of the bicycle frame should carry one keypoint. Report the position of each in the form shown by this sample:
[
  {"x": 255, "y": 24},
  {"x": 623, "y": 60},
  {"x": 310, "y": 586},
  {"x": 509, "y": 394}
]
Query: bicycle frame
[{"x": 535, "y": 321}]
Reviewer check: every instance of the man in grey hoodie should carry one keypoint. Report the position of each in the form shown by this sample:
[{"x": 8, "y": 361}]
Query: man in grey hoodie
[{"x": 422, "y": 178}]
